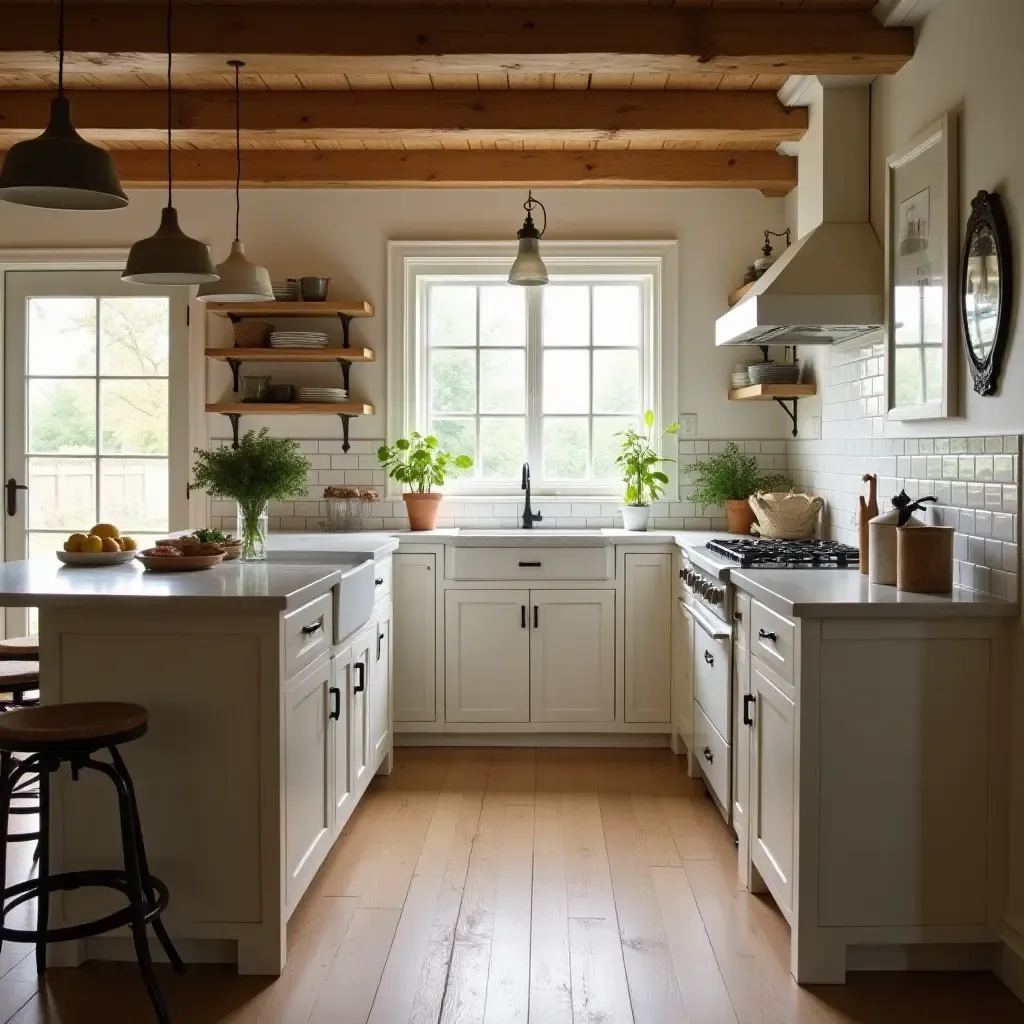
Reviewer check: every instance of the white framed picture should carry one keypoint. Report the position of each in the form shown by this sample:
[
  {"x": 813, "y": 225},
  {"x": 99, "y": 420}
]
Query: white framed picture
[{"x": 921, "y": 245}]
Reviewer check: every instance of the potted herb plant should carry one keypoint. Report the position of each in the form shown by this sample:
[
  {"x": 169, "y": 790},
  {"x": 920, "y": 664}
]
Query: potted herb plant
[
  {"x": 645, "y": 483},
  {"x": 420, "y": 464},
  {"x": 258, "y": 470},
  {"x": 729, "y": 478}
]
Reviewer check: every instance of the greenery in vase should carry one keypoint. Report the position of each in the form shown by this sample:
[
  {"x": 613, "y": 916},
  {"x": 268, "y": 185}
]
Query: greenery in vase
[
  {"x": 419, "y": 462},
  {"x": 213, "y": 537},
  {"x": 732, "y": 476},
  {"x": 638, "y": 459},
  {"x": 260, "y": 469}
]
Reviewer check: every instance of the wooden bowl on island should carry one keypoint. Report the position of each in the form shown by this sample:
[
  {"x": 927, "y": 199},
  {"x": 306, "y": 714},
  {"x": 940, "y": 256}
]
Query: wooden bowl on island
[{"x": 165, "y": 558}]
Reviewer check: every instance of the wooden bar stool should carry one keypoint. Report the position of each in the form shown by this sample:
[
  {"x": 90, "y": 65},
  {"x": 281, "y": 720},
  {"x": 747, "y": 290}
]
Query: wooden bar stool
[
  {"x": 19, "y": 688},
  {"x": 72, "y": 733},
  {"x": 23, "y": 647}
]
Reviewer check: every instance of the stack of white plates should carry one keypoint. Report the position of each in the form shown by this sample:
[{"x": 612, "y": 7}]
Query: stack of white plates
[
  {"x": 298, "y": 339},
  {"x": 285, "y": 291},
  {"x": 322, "y": 394},
  {"x": 774, "y": 373},
  {"x": 740, "y": 376}
]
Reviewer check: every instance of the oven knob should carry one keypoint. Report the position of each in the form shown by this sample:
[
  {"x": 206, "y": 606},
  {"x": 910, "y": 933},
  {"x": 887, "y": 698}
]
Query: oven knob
[
  {"x": 715, "y": 596},
  {"x": 704, "y": 588},
  {"x": 691, "y": 578}
]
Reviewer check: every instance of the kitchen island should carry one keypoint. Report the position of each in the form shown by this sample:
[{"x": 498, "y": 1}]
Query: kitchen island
[{"x": 268, "y": 691}]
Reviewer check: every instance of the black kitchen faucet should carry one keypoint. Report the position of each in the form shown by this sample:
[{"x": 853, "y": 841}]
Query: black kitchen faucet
[{"x": 529, "y": 517}]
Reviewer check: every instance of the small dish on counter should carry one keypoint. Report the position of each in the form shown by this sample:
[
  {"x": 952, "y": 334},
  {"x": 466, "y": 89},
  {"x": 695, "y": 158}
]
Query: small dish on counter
[
  {"x": 165, "y": 558},
  {"x": 84, "y": 558}
]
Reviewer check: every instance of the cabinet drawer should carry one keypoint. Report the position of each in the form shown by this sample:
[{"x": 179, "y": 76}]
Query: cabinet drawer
[
  {"x": 711, "y": 676},
  {"x": 538, "y": 562},
  {"x": 307, "y": 634},
  {"x": 381, "y": 578},
  {"x": 713, "y": 755},
  {"x": 772, "y": 639}
]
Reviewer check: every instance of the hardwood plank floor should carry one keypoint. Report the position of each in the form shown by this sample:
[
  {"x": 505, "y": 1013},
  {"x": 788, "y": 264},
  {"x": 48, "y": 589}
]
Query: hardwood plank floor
[{"x": 550, "y": 886}]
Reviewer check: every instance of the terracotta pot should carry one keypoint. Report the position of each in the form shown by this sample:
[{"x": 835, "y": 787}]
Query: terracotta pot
[
  {"x": 423, "y": 510},
  {"x": 740, "y": 515}
]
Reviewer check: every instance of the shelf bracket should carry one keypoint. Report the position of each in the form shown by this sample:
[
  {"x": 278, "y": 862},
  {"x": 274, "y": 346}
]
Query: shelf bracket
[
  {"x": 235, "y": 364},
  {"x": 785, "y": 408},
  {"x": 346, "y": 367},
  {"x": 344, "y": 417},
  {"x": 346, "y": 321},
  {"x": 234, "y": 417},
  {"x": 234, "y": 317}
]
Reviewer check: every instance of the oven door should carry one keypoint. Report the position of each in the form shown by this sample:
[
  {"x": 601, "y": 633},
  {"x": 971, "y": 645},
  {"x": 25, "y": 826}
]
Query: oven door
[{"x": 712, "y": 693}]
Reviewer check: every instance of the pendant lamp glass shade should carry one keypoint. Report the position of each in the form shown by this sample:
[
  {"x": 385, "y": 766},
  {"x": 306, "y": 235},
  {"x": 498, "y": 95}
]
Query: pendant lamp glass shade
[
  {"x": 169, "y": 256},
  {"x": 529, "y": 268},
  {"x": 239, "y": 280}
]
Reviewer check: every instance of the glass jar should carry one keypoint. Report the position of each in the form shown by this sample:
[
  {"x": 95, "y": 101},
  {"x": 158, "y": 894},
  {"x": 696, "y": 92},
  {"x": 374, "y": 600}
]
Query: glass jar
[
  {"x": 253, "y": 389},
  {"x": 253, "y": 522}
]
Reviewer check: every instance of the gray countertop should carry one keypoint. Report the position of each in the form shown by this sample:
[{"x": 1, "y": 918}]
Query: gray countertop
[{"x": 846, "y": 593}]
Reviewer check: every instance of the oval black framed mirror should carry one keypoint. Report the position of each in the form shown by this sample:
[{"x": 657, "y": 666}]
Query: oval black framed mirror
[{"x": 986, "y": 285}]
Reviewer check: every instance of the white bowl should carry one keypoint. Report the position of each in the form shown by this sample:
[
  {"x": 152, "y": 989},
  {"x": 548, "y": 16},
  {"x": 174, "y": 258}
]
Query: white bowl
[{"x": 95, "y": 557}]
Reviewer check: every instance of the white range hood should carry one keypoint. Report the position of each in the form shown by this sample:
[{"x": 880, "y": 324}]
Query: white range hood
[{"x": 828, "y": 286}]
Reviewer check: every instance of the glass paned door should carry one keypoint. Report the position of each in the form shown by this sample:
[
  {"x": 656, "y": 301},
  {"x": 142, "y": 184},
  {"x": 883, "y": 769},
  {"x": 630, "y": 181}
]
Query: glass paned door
[{"x": 96, "y": 421}]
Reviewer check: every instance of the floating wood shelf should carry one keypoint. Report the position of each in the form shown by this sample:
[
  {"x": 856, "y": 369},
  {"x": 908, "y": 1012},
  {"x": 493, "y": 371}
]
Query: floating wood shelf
[
  {"x": 740, "y": 292},
  {"x": 780, "y": 393},
  {"x": 276, "y": 310},
  {"x": 346, "y": 410}
]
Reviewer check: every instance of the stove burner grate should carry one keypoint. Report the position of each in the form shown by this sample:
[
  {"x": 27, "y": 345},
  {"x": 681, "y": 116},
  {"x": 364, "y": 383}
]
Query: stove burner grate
[{"x": 764, "y": 553}]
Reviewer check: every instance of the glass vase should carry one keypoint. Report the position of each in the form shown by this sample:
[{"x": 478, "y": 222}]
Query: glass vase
[{"x": 253, "y": 520}]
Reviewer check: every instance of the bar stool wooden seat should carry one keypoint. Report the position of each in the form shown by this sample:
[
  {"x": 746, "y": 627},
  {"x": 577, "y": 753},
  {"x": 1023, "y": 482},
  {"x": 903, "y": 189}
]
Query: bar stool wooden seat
[
  {"x": 26, "y": 647},
  {"x": 72, "y": 734}
]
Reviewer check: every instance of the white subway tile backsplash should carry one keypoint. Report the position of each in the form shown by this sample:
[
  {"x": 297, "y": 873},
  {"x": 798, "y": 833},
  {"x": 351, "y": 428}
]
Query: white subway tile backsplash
[{"x": 983, "y": 523}]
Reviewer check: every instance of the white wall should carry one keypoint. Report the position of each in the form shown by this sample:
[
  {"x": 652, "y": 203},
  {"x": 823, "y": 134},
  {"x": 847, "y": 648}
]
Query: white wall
[{"x": 343, "y": 233}]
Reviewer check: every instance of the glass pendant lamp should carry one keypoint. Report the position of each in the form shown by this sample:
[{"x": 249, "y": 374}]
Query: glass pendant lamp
[
  {"x": 169, "y": 256},
  {"x": 240, "y": 280},
  {"x": 529, "y": 268},
  {"x": 59, "y": 170}
]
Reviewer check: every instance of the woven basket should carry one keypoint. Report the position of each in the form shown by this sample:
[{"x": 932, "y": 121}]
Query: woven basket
[
  {"x": 252, "y": 333},
  {"x": 786, "y": 515}
]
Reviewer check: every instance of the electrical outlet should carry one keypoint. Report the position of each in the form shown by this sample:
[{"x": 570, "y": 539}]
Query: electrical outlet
[{"x": 687, "y": 424}]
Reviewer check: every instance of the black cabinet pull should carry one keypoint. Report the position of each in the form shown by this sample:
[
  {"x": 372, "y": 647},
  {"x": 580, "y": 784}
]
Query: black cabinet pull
[
  {"x": 529, "y": 565},
  {"x": 522, "y": 616},
  {"x": 379, "y": 581},
  {"x": 709, "y": 658},
  {"x": 738, "y": 616},
  {"x": 335, "y": 712},
  {"x": 708, "y": 756},
  {"x": 380, "y": 637},
  {"x": 748, "y": 699},
  {"x": 536, "y": 612},
  {"x": 360, "y": 668},
  {"x": 313, "y": 627},
  {"x": 767, "y": 636}
]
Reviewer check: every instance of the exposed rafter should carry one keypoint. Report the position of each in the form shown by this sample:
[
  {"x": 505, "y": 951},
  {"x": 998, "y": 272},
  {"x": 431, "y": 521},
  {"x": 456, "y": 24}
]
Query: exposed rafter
[
  {"x": 588, "y": 115},
  {"x": 407, "y": 38},
  {"x": 771, "y": 173}
]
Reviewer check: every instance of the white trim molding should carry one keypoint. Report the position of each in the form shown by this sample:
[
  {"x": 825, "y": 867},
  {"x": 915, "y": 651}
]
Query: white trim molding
[
  {"x": 1010, "y": 968},
  {"x": 655, "y": 261}
]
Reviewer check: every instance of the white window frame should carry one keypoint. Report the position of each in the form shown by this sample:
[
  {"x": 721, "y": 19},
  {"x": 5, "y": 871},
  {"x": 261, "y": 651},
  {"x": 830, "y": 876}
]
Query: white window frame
[{"x": 411, "y": 262}]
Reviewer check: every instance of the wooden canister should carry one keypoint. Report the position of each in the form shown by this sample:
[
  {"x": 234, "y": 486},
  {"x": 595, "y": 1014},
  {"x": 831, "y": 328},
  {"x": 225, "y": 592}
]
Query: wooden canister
[{"x": 924, "y": 559}]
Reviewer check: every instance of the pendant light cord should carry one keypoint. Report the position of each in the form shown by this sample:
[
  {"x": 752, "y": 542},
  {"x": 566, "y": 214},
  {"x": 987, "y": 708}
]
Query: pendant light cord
[
  {"x": 60, "y": 53},
  {"x": 170, "y": 5},
  {"x": 238, "y": 146}
]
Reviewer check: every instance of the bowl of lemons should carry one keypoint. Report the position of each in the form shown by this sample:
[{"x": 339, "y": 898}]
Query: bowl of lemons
[{"x": 102, "y": 545}]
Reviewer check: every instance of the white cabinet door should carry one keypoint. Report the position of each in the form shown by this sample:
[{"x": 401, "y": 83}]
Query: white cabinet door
[
  {"x": 648, "y": 640},
  {"x": 414, "y": 603},
  {"x": 380, "y": 687},
  {"x": 339, "y": 713},
  {"x": 487, "y": 656},
  {"x": 307, "y": 810},
  {"x": 572, "y": 655},
  {"x": 772, "y": 782},
  {"x": 360, "y": 744},
  {"x": 682, "y": 673}
]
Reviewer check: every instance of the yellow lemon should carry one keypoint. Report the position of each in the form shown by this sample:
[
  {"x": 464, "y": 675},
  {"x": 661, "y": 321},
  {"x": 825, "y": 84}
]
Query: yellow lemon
[
  {"x": 105, "y": 530},
  {"x": 92, "y": 545},
  {"x": 74, "y": 542},
  {"x": 111, "y": 545},
  {"x": 129, "y": 544}
]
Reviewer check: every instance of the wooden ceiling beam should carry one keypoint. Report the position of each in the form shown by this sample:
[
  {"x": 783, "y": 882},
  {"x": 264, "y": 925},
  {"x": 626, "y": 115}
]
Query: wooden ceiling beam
[
  {"x": 427, "y": 39},
  {"x": 765, "y": 170},
  {"x": 584, "y": 115}
]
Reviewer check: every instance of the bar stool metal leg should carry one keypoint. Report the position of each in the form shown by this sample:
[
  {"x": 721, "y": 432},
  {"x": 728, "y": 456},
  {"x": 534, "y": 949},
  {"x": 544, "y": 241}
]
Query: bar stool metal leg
[
  {"x": 43, "y": 849},
  {"x": 6, "y": 786}
]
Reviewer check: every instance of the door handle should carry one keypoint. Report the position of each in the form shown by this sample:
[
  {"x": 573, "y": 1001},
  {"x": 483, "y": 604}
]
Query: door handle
[
  {"x": 748, "y": 699},
  {"x": 765, "y": 635},
  {"x": 336, "y": 703},
  {"x": 360, "y": 668},
  {"x": 522, "y": 616},
  {"x": 709, "y": 658},
  {"x": 535, "y": 614},
  {"x": 708, "y": 756},
  {"x": 13, "y": 487}
]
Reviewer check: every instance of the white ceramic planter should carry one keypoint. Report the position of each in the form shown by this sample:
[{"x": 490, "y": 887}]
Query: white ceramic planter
[{"x": 635, "y": 517}]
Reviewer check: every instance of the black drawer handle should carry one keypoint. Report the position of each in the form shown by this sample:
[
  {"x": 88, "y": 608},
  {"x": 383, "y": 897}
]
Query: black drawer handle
[
  {"x": 529, "y": 565},
  {"x": 748, "y": 699},
  {"x": 764, "y": 635},
  {"x": 709, "y": 658},
  {"x": 379, "y": 581},
  {"x": 522, "y": 616},
  {"x": 708, "y": 756},
  {"x": 536, "y": 612},
  {"x": 313, "y": 627},
  {"x": 336, "y": 702},
  {"x": 361, "y": 670}
]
